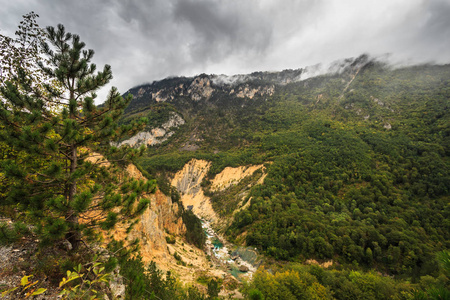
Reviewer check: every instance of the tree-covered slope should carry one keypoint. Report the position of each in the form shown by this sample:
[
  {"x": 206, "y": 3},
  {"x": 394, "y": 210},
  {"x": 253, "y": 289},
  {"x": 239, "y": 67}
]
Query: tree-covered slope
[{"x": 357, "y": 158}]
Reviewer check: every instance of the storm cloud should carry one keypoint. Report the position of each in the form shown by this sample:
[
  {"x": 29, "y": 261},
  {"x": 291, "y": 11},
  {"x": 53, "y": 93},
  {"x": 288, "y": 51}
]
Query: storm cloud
[{"x": 150, "y": 40}]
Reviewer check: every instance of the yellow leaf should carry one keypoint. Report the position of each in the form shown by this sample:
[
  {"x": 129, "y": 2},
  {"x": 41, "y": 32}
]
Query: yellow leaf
[
  {"x": 30, "y": 284},
  {"x": 24, "y": 280},
  {"x": 39, "y": 291},
  {"x": 4, "y": 293}
]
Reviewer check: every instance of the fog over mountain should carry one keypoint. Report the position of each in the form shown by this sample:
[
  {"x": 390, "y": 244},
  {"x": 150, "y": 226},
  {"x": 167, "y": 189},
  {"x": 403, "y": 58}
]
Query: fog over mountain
[{"x": 145, "y": 41}]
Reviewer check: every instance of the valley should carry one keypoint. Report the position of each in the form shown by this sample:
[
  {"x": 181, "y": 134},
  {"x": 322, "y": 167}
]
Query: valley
[
  {"x": 218, "y": 150},
  {"x": 223, "y": 255},
  {"x": 272, "y": 184},
  {"x": 341, "y": 167}
]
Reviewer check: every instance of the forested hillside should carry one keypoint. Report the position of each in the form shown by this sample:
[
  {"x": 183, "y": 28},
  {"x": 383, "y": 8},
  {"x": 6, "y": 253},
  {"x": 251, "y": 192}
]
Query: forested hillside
[
  {"x": 357, "y": 159},
  {"x": 339, "y": 186}
]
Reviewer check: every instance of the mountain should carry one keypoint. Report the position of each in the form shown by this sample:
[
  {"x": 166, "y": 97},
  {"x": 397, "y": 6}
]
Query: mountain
[{"x": 355, "y": 158}]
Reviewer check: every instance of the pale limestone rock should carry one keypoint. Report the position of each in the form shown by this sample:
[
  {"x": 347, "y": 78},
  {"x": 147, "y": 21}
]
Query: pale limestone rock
[
  {"x": 158, "y": 96},
  {"x": 377, "y": 101},
  {"x": 187, "y": 181},
  {"x": 141, "y": 92},
  {"x": 156, "y": 135},
  {"x": 200, "y": 88},
  {"x": 243, "y": 268},
  {"x": 117, "y": 285},
  {"x": 230, "y": 176},
  {"x": 250, "y": 93},
  {"x": 160, "y": 217}
]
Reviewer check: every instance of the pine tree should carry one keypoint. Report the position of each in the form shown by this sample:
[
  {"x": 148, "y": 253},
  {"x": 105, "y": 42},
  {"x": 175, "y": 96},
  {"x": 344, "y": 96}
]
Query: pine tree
[
  {"x": 22, "y": 50},
  {"x": 19, "y": 53},
  {"x": 62, "y": 183}
]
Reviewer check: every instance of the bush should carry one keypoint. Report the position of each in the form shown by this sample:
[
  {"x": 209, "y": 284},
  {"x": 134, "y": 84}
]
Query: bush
[{"x": 194, "y": 231}]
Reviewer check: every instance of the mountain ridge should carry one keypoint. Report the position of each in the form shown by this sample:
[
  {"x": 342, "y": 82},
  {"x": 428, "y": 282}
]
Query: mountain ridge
[
  {"x": 187, "y": 85},
  {"x": 361, "y": 153}
]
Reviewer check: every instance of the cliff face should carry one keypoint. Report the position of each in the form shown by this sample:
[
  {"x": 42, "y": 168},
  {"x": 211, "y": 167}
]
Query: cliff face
[
  {"x": 207, "y": 86},
  {"x": 162, "y": 217},
  {"x": 188, "y": 183},
  {"x": 230, "y": 176},
  {"x": 155, "y": 135},
  {"x": 185, "y": 92}
]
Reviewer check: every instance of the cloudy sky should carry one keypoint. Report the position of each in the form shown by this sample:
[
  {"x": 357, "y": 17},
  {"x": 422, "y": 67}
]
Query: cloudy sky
[{"x": 147, "y": 40}]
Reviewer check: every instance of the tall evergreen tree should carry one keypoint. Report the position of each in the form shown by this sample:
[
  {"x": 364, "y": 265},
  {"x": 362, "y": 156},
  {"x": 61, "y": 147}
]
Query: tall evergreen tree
[
  {"x": 63, "y": 184},
  {"x": 19, "y": 52}
]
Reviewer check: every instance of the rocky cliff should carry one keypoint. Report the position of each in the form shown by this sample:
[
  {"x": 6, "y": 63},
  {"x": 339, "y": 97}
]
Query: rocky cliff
[
  {"x": 210, "y": 88},
  {"x": 188, "y": 182},
  {"x": 161, "y": 218},
  {"x": 155, "y": 135},
  {"x": 230, "y": 176}
]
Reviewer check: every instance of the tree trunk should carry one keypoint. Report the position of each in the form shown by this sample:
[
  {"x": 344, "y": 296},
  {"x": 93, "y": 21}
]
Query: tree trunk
[{"x": 73, "y": 236}]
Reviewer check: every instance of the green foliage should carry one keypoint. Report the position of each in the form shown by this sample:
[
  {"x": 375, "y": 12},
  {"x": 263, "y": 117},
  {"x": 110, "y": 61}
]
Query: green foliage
[
  {"x": 148, "y": 282},
  {"x": 11, "y": 233},
  {"x": 170, "y": 239},
  {"x": 203, "y": 279},
  {"x": 159, "y": 114},
  {"x": 194, "y": 231},
  {"x": 285, "y": 285},
  {"x": 136, "y": 280},
  {"x": 179, "y": 259},
  {"x": 255, "y": 294},
  {"x": 444, "y": 261},
  {"x": 296, "y": 281},
  {"x": 26, "y": 289},
  {"x": 86, "y": 285},
  {"x": 213, "y": 289},
  {"x": 358, "y": 171},
  {"x": 53, "y": 128},
  {"x": 20, "y": 52},
  {"x": 226, "y": 201}
]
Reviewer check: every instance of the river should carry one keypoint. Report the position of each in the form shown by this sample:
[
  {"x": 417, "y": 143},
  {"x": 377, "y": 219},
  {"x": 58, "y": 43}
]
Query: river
[{"x": 241, "y": 262}]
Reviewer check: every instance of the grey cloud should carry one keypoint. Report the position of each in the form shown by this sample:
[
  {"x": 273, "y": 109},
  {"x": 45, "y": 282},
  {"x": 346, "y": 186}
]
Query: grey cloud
[
  {"x": 152, "y": 19},
  {"x": 435, "y": 31},
  {"x": 149, "y": 40},
  {"x": 437, "y": 25},
  {"x": 217, "y": 30}
]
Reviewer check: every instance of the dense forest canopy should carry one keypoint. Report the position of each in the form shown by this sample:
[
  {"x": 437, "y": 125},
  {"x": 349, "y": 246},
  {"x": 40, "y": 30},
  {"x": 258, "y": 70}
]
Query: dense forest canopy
[
  {"x": 358, "y": 162},
  {"x": 357, "y": 165}
]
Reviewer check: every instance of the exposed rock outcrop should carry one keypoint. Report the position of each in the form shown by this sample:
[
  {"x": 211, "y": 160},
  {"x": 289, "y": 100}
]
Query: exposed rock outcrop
[
  {"x": 243, "y": 268},
  {"x": 188, "y": 183},
  {"x": 156, "y": 135},
  {"x": 160, "y": 217},
  {"x": 200, "y": 88},
  {"x": 248, "y": 92},
  {"x": 230, "y": 176}
]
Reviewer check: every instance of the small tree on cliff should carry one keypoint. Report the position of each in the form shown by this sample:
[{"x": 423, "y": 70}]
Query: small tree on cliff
[{"x": 66, "y": 190}]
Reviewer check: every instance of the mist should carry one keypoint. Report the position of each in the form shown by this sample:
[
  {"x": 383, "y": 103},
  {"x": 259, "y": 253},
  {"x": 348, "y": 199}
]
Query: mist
[{"x": 147, "y": 41}]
